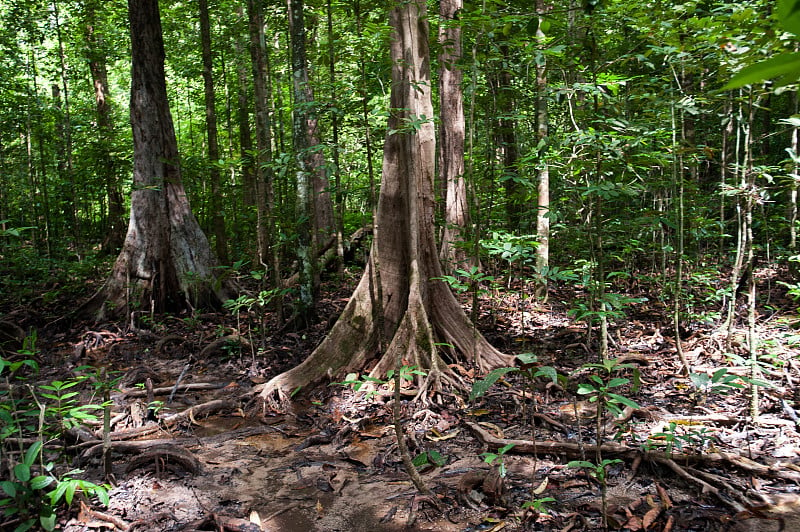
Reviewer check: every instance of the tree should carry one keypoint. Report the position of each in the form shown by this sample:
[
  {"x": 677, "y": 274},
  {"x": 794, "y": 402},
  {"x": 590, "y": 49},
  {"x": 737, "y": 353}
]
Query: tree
[
  {"x": 451, "y": 137},
  {"x": 400, "y": 311},
  {"x": 166, "y": 262},
  {"x": 217, "y": 218},
  {"x": 314, "y": 208},
  {"x": 106, "y": 168}
]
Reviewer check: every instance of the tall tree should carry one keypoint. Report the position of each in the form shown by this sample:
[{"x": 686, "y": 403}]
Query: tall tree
[
  {"x": 543, "y": 170},
  {"x": 314, "y": 208},
  {"x": 106, "y": 168},
  {"x": 451, "y": 137},
  {"x": 217, "y": 218},
  {"x": 400, "y": 311},
  {"x": 166, "y": 261}
]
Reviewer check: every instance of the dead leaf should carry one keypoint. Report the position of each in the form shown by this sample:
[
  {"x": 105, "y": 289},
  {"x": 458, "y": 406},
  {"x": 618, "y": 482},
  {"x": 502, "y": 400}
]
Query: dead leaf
[
  {"x": 538, "y": 490},
  {"x": 437, "y": 436},
  {"x": 666, "y": 502},
  {"x": 650, "y": 517},
  {"x": 256, "y": 519}
]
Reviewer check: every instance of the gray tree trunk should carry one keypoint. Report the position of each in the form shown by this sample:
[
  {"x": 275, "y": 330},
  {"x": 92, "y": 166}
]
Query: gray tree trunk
[{"x": 166, "y": 261}]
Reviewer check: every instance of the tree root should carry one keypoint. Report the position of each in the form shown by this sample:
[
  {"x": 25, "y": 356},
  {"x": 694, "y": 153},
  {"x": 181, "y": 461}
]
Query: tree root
[{"x": 166, "y": 456}]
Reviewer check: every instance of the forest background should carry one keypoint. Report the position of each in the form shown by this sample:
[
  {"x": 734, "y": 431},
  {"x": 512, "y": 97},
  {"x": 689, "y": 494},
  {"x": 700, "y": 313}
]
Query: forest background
[{"x": 592, "y": 145}]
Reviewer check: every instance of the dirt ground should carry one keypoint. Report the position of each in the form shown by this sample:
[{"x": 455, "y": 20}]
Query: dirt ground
[{"x": 209, "y": 458}]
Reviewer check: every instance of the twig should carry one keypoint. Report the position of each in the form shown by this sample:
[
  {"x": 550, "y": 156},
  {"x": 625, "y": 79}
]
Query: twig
[{"x": 178, "y": 383}]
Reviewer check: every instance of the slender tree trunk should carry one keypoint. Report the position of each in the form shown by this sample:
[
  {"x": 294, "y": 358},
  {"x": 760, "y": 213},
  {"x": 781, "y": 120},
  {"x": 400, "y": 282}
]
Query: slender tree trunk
[
  {"x": 64, "y": 132},
  {"x": 166, "y": 263},
  {"x": 505, "y": 131},
  {"x": 314, "y": 208},
  {"x": 264, "y": 193},
  {"x": 217, "y": 217},
  {"x": 105, "y": 164},
  {"x": 543, "y": 186},
  {"x": 454, "y": 253},
  {"x": 419, "y": 312},
  {"x": 243, "y": 119},
  {"x": 337, "y": 174}
]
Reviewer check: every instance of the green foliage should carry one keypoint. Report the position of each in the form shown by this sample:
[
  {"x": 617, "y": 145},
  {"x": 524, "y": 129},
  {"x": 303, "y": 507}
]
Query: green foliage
[
  {"x": 496, "y": 458},
  {"x": 784, "y": 68},
  {"x": 527, "y": 367},
  {"x": 27, "y": 499},
  {"x": 599, "y": 386},
  {"x": 596, "y": 471},
  {"x": 675, "y": 437},
  {"x": 722, "y": 382},
  {"x": 357, "y": 382},
  {"x": 429, "y": 458},
  {"x": 36, "y": 489},
  {"x": 464, "y": 280}
]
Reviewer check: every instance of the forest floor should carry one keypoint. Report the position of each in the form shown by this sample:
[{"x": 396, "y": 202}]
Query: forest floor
[{"x": 203, "y": 456}]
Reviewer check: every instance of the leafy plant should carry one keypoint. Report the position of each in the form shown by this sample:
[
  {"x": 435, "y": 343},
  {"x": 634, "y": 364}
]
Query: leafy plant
[
  {"x": 357, "y": 382},
  {"x": 496, "y": 458},
  {"x": 29, "y": 504},
  {"x": 433, "y": 458},
  {"x": 528, "y": 368}
]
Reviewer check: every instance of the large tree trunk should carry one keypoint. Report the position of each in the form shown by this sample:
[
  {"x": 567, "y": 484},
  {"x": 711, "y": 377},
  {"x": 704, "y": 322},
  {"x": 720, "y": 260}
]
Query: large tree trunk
[
  {"x": 166, "y": 261},
  {"x": 417, "y": 313}
]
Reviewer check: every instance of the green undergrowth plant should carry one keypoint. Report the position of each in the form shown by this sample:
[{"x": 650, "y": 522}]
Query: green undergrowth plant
[
  {"x": 599, "y": 472},
  {"x": 38, "y": 481}
]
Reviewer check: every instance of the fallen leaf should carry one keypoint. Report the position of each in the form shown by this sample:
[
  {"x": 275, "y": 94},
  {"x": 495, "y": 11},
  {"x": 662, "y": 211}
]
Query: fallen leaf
[{"x": 538, "y": 490}]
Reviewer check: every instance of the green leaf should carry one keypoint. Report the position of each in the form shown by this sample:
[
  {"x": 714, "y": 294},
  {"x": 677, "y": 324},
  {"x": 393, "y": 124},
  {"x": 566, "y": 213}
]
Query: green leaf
[
  {"x": 420, "y": 460},
  {"x": 25, "y": 525},
  {"x": 40, "y": 482},
  {"x": 57, "y": 493},
  {"x": 623, "y": 400},
  {"x": 437, "y": 458},
  {"x": 22, "y": 472},
  {"x": 33, "y": 452},
  {"x": 479, "y": 388},
  {"x": 788, "y": 12},
  {"x": 618, "y": 381},
  {"x": 547, "y": 371},
  {"x": 505, "y": 448},
  {"x": 781, "y": 66},
  {"x": 72, "y": 485},
  {"x": 9, "y": 487},
  {"x": 102, "y": 495},
  {"x": 48, "y": 521}
]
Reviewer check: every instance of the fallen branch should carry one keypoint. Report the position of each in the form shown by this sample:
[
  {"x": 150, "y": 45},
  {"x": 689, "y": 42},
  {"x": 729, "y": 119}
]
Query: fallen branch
[
  {"x": 571, "y": 449},
  {"x": 169, "y": 421},
  {"x": 193, "y": 386}
]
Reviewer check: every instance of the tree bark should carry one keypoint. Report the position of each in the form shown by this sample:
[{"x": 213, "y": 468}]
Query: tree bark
[
  {"x": 106, "y": 168},
  {"x": 451, "y": 137},
  {"x": 543, "y": 196},
  {"x": 314, "y": 207},
  {"x": 166, "y": 261},
  {"x": 217, "y": 218},
  {"x": 416, "y": 313}
]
